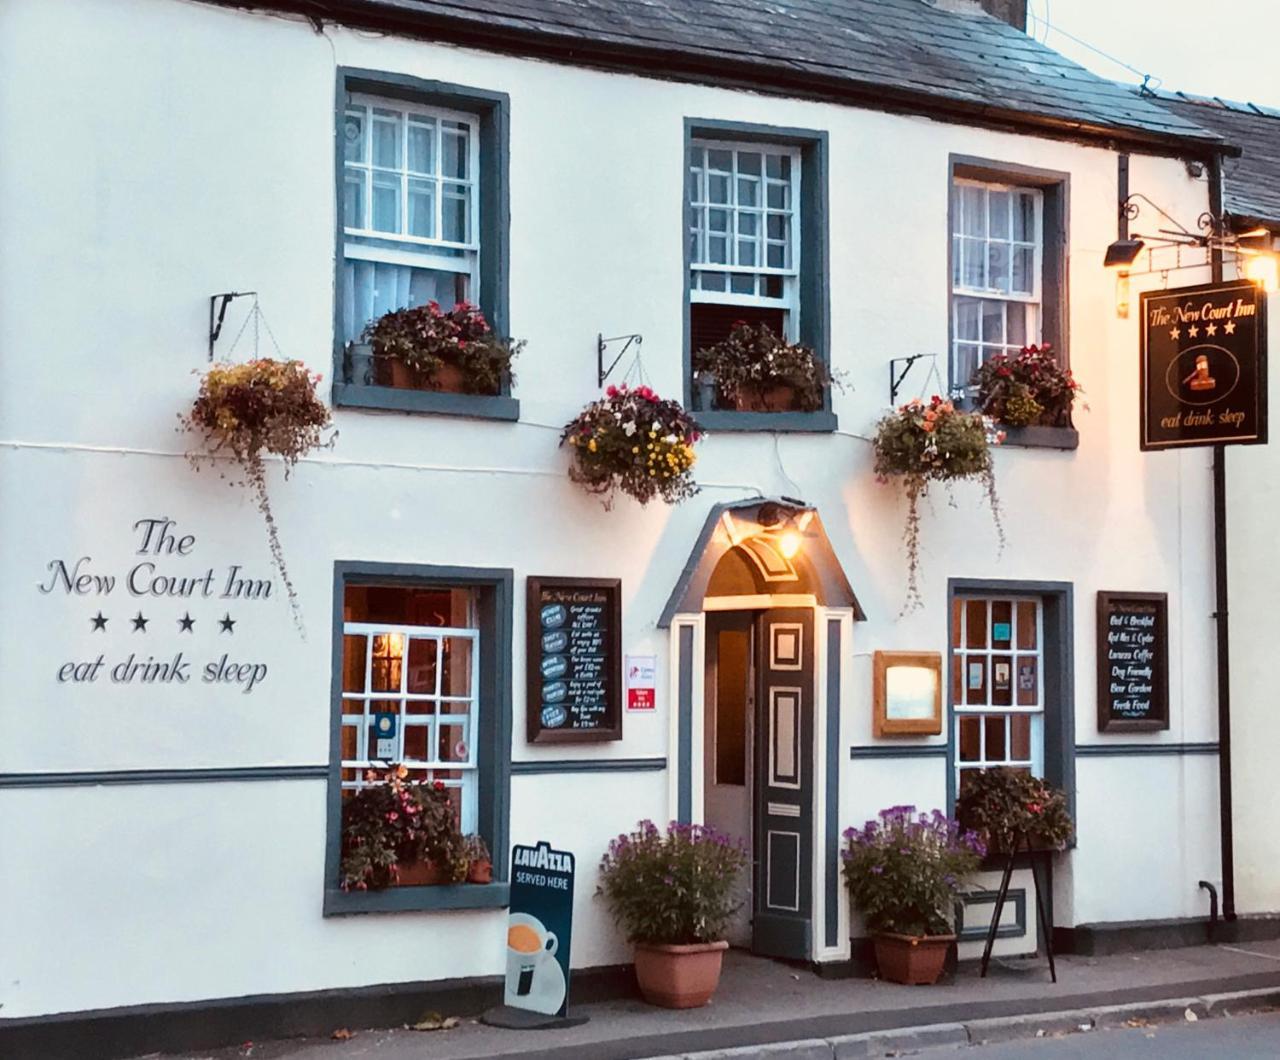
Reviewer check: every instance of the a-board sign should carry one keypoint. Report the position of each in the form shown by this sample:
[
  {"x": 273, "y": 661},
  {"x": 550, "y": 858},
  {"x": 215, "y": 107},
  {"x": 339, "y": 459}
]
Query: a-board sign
[
  {"x": 1204, "y": 366},
  {"x": 1133, "y": 662},
  {"x": 539, "y": 929},
  {"x": 574, "y": 664}
]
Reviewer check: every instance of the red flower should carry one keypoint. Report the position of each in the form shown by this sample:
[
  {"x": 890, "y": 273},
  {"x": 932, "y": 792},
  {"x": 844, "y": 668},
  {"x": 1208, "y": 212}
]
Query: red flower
[{"x": 438, "y": 785}]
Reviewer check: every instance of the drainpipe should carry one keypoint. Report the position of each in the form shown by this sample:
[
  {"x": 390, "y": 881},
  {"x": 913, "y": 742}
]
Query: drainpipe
[{"x": 1226, "y": 824}]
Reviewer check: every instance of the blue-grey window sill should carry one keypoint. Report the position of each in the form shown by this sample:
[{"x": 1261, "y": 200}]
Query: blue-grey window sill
[
  {"x": 723, "y": 420},
  {"x": 392, "y": 399},
  {"x": 338, "y": 902},
  {"x": 1040, "y": 437}
]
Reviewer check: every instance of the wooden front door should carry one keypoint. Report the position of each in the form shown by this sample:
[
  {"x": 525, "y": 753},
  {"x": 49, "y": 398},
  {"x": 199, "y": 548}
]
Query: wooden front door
[{"x": 783, "y": 785}]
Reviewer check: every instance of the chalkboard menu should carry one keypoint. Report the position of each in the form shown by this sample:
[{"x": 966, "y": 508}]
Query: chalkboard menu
[
  {"x": 1133, "y": 662},
  {"x": 574, "y": 638}
]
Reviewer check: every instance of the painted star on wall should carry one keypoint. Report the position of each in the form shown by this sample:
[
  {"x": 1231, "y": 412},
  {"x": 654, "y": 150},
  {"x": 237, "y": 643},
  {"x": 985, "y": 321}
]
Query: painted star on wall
[
  {"x": 185, "y": 623},
  {"x": 227, "y": 623},
  {"x": 99, "y": 622},
  {"x": 140, "y": 623}
]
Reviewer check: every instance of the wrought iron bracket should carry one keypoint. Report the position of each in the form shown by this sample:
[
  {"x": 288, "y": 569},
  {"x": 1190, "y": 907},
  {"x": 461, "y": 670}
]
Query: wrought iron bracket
[
  {"x": 602, "y": 373},
  {"x": 218, "y": 311},
  {"x": 896, "y": 378}
]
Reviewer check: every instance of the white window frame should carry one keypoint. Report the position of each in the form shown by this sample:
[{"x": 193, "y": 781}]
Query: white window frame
[
  {"x": 700, "y": 207},
  {"x": 961, "y": 709},
  {"x": 1031, "y": 303},
  {"x": 467, "y": 724}
]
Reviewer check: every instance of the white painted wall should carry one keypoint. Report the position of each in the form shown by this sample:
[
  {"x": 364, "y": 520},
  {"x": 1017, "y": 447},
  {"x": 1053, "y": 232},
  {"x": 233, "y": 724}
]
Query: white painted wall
[{"x": 183, "y": 150}]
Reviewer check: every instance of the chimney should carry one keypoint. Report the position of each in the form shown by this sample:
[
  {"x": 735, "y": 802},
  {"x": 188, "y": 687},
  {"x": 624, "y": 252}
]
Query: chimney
[{"x": 1013, "y": 12}]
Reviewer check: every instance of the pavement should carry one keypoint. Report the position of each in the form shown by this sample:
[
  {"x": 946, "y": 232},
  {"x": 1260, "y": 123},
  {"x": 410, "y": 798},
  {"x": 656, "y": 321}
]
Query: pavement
[{"x": 769, "y": 1009}]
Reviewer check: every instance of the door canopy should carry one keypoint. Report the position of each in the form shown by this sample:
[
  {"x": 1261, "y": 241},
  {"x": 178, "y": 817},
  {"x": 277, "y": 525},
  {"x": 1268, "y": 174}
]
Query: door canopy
[{"x": 761, "y": 546}]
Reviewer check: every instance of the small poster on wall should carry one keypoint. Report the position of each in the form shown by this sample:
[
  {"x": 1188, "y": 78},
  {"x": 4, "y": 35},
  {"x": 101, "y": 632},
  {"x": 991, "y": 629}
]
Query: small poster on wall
[
  {"x": 1133, "y": 662},
  {"x": 574, "y": 659},
  {"x": 642, "y": 673}
]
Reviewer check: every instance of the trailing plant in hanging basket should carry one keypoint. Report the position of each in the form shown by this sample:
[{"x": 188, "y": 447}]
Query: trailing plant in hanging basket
[
  {"x": 1027, "y": 388},
  {"x": 261, "y": 406},
  {"x": 921, "y": 443},
  {"x": 756, "y": 367},
  {"x": 633, "y": 441},
  {"x": 1007, "y": 805},
  {"x": 428, "y": 340}
]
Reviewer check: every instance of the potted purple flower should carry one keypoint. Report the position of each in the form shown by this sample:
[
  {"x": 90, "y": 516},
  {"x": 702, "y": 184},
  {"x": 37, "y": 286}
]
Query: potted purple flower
[
  {"x": 673, "y": 893},
  {"x": 904, "y": 871}
]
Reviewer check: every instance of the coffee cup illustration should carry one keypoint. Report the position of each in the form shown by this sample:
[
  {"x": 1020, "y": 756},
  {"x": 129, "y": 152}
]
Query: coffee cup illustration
[{"x": 529, "y": 944}]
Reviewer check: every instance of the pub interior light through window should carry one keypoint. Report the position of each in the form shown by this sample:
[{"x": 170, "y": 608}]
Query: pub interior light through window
[
  {"x": 412, "y": 654},
  {"x": 997, "y": 251},
  {"x": 409, "y": 209},
  {"x": 997, "y": 684}
]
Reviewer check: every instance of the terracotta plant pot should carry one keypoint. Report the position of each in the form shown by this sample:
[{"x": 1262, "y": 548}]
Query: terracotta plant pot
[
  {"x": 448, "y": 378},
  {"x": 480, "y": 871},
  {"x": 421, "y": 874},
  {"x": 679, "y": 976},
  {"x": 913, "y": 960},
  {"x": 766, "y": 398}
]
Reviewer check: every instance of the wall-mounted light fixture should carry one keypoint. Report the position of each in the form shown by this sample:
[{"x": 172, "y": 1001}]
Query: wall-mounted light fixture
[
  {"x": 1263, "y": 269},
  {"x": 1123, "y": 253},
  {"x": 786, "y": 524}
]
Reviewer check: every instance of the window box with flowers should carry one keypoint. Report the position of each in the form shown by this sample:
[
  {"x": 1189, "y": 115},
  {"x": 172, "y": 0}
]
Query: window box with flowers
[
  {"x": 754, "y": 369},
  {"x": 1030, "y": 395}
]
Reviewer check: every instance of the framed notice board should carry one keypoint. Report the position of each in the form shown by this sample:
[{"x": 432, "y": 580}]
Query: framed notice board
[
  {"x": 1133, "y": 662},
  {"x": 573, "y": 630}
]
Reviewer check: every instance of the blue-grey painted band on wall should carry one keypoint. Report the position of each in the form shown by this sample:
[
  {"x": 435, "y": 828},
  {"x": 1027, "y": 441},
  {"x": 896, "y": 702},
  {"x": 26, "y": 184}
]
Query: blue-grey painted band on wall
[
  {"x": 1107, "y": 750},
  {"x": 89, "y": 778},
  {"x": 590, "y": 765},
  {"x": 684, "y": 790},
  {"x": 832, "y": 896},
  {"x": 933, "y": 750}
]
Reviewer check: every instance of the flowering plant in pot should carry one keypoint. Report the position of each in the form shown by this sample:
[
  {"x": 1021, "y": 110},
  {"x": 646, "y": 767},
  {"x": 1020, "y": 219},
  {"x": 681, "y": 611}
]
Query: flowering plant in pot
[
  {"x": 1029, "y": 388},
  {"x": 756, "y": 369},
  {"x": 904, "y": 871},
  {"x": 674, "y": 893},
  {"x": 922, "y": 443},
  {"x": 633, "y": 441},
  {"x": 261, "y": 406},
  {"x": 397, "y": 832},
  {"x": 426, "y": 348},
  {"x": 1009, "y": 806}
]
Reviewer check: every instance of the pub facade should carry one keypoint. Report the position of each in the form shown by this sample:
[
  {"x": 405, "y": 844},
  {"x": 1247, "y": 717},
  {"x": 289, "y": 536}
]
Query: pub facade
[{"x": 184, "y": 726}]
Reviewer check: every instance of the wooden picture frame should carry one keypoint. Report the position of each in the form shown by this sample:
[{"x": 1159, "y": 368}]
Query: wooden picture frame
[
  {"x": 1120, "y": 709},
  {"x": 906, "y": 711},
  {"x": 598, "y": 663}
]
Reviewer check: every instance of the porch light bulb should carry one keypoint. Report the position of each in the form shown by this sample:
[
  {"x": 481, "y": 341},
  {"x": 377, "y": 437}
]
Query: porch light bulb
[
  {"x": 1264, "y": 270},
  {"x": 789, "y": 543}
]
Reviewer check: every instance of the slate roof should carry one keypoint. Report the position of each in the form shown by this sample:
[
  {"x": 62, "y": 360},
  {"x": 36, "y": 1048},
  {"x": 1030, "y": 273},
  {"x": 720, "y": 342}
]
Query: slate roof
[
  {"x": 1251, "y": 183},
  {"x": 945, "y": 58}
]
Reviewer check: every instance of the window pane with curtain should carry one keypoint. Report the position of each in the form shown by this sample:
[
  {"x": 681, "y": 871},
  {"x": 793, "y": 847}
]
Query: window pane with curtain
[
  {"x": 997, "y": 684},
  {"x": 744, "y": 239},
  {"x": 997, "y": 249},
  {"x": 409, "y": 209},
  {"x": 412, "y": 655}
]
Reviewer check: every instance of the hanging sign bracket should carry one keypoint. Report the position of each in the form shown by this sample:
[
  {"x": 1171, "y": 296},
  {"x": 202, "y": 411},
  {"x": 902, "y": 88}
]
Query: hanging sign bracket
[{"x": 602, "y": 373}]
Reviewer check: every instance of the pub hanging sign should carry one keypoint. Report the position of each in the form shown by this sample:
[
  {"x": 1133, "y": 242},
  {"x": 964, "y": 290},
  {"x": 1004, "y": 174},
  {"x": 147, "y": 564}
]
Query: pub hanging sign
[{"x": 1204, "y": 359}]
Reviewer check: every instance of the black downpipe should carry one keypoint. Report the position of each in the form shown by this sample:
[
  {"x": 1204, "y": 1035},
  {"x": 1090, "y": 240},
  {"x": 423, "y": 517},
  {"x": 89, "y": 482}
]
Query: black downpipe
[{"x": 1226, "y": 829}]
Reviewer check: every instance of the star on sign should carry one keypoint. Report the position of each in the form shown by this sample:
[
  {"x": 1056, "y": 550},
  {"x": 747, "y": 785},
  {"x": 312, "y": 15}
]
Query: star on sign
[
  {"x": 99, "y": 622},
  {"x": 1229, "y": 327},
  {"x": 1211, "y": 329},
  {"x": 185, "y": 623},
  {"x": 1193, "y": 331},
  {"x": 227, "y": 622},
  {"x": 140, "y": 623},
  {"x": 1174, "y": 333}
]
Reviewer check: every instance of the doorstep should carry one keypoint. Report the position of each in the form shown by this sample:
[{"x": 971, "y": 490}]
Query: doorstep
[{"x": 762, "y": 1002}]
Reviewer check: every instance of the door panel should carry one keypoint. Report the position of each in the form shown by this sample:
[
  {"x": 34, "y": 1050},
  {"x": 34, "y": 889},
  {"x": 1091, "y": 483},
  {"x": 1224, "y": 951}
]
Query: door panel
[{"x": 783, "y": 796}]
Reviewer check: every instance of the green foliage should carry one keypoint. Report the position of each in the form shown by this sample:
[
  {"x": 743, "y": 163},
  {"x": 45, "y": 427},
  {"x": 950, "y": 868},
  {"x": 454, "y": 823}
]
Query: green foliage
[
  {"x": 635, "y": 442},
  {"x": 755, "y": 359},
  {"x": 672, "y": 888},
  {"x": 1029, "y": 388},
  {"x": 1006, "y": 804},
  {"x": 935, "y": 442},
  {"x": 392, "y": 822},
  {"x": 904, "y": 871},
  {"x": 426, "y": 337},
  {"x": 263, "y": 405}
]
